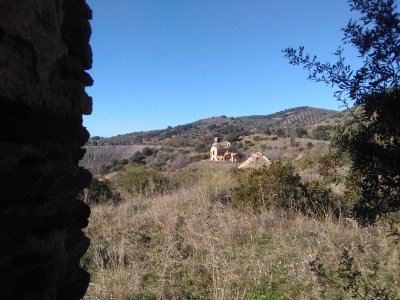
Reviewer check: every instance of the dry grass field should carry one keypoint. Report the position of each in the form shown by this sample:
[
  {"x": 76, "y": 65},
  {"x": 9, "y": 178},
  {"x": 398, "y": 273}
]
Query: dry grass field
[{"x": 190, "y": 244}]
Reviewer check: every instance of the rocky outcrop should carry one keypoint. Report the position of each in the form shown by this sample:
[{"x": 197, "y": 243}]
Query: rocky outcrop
[
  {"x": 98, "y": 156},
  {"x": 44, "y": 52}
]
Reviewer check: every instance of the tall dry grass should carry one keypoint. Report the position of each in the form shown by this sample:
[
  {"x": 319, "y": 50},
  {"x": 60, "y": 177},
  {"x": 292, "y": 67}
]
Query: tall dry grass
[{"x": 189, "y": 245}]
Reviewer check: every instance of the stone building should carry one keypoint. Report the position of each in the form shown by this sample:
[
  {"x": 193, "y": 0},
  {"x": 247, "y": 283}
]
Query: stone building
[
  {"x": 256, "y": 160},
  {"x": 220, "y": 152}
]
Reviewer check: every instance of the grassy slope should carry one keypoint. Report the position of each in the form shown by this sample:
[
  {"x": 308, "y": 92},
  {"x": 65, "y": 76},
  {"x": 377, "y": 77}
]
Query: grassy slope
[{"x": 187, "y": 245}]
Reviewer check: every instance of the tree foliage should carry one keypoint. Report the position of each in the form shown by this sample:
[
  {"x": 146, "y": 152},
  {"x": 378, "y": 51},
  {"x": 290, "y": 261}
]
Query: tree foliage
[
  {"x": 147, "y": 151},
  {"x": 301, "y": 132},
  {"x": 373, "y": 141},
  {"x": 322, "y": 132},
  {"x": 201, "y": 147},
  {"x": 376, "y": 38},
  {"x": 280, "y": 132},
  {"x": 101, "y": 191},
  {"x": 138, "y": 158},
  {"x": 231, "y": 137}
]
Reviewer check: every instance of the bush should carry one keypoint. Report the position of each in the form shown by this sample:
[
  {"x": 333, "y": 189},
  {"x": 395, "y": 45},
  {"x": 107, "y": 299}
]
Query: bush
[
  {"x": 279, "y": 186},
  {"x": 201, "y": 147},
  {"x": 137, "y": 179},
  {"x": 147, "y": 151},
  {"x": 267, "y": 131},
  {"x": 280, "y": 132},
  {"x": 101, "y": 191},
  {"x": 264, "y": 187},
  {"x": 319, "y": 200},
  {"x": 306, "y": 162},
  {"x": 322, "y": 132},
  {"x": 348, "y": 280},
  {"x": 114, "y": 167},
  {"x": 301, "y": 132},
  {"x": 138, "y": 158},
  {"x": 231, "y": 137}
]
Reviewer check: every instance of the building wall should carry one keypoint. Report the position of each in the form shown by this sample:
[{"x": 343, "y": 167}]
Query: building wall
[
  {"x": 44, "y": 52},
  {"x": 213, "y": 153}
]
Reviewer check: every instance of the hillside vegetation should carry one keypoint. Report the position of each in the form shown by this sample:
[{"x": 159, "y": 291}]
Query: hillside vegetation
[
  {"x": 186, "y": 237},
  {"x": 167, "y": 223},
  {"x": 205, "y": 130},
  {"x": 170, "y": 224},
  {"x": 299, "y": 129},
  {"x": 310, "y": 224}
]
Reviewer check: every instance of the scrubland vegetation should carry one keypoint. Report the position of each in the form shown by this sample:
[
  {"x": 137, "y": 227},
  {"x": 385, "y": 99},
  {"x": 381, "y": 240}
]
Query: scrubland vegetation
[
  {"x": 193, "y": 235},
  {"x": 289, "y": 231}
]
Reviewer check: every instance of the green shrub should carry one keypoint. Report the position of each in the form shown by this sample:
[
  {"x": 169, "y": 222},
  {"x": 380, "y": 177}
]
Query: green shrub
[
  {"x": 322, "y": 132},
  {"x": 263, "y": 187},
  {"x": 231, "y": 137},
  {"x": 201, "y": 147},
  {"x": 101, "y": 191},
  {"x": 267, "y": 131},
  {"x": 137, "y": 179},
  {"x": 348, "y": 280},
  {"x": 319, "y": 199},
  {"x": 330, "y": 166},
  {"x": 279, "y": 186},
  {"x": 138, "y": 158},
  {"x": 147, "y": 151},
  {"x": 306, "y": 162},
  {"x": 301, "y": 132}
]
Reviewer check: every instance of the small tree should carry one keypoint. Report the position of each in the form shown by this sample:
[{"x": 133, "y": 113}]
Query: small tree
[{"x": 374, "y": 140}]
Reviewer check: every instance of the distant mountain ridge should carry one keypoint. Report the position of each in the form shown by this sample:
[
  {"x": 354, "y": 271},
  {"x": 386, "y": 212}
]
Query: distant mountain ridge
[{"x": 204, "y": 129}]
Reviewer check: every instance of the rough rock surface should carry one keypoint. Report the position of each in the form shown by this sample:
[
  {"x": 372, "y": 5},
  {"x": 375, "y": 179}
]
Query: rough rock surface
[{"x": 44, "y": 52}]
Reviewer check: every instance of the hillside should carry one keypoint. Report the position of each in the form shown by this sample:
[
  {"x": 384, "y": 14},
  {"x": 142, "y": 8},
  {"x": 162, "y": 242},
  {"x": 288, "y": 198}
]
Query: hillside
[
  {"x": 198, "y": 229},
  {"x": 97, "y": 156},
  {"x": 204, "y": 130},
  {"x": 178, "y": 146},
  {"x": 193, "y": 243}
]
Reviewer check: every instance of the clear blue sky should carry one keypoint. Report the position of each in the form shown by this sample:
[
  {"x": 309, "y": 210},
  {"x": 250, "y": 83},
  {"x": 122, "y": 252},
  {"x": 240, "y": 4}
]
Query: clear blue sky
[{"x": 169, "y": 62}]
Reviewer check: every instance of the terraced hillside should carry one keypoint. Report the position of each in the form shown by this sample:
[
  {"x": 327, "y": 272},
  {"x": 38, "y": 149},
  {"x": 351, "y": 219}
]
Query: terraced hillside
[
  {"x": 98, "y": 156},
  {"x": 176, "y": 146},
  {"x": 204, "y": 130}
]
